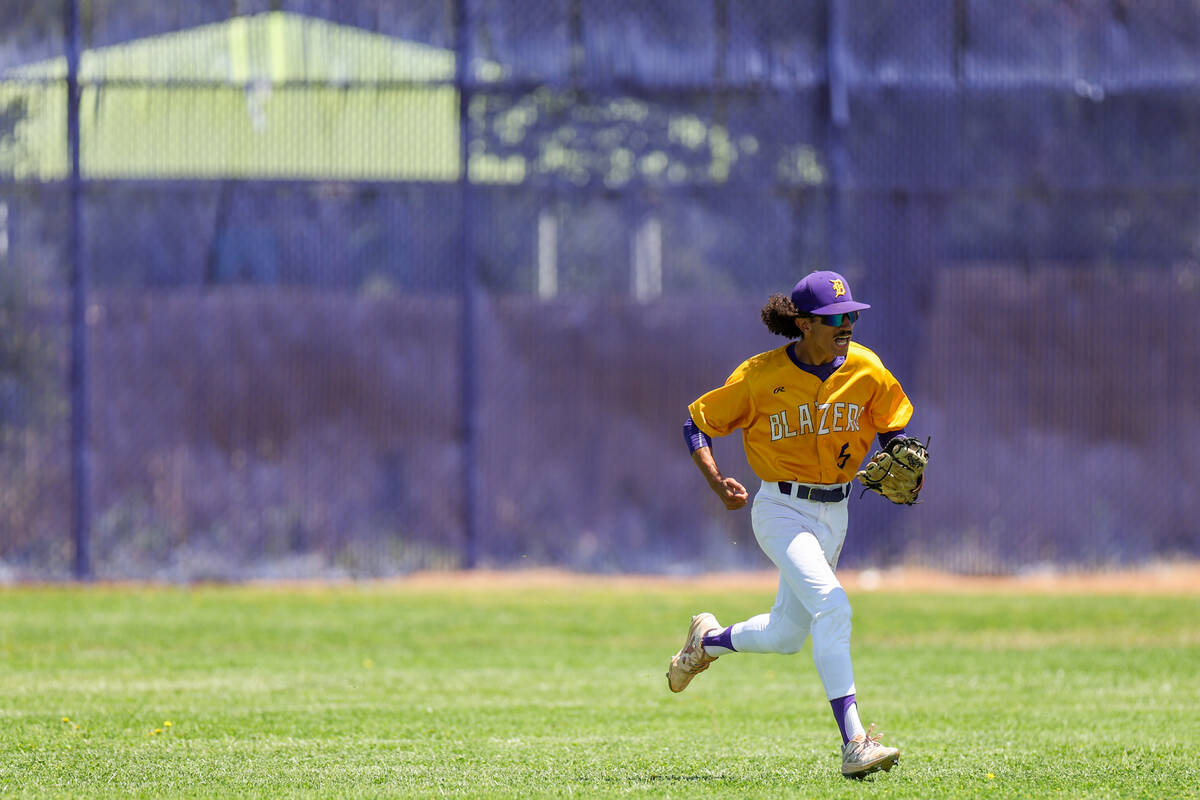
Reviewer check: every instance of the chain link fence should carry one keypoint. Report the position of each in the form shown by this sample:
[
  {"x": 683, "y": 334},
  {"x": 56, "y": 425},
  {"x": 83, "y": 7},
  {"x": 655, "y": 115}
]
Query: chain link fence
[{"x": 366, "y": 287}]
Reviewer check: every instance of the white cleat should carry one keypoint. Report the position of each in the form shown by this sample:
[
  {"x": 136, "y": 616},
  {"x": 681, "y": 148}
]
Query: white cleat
[
  {"x": 864, "y": 754},
  {"x": 692, "y": 660}
]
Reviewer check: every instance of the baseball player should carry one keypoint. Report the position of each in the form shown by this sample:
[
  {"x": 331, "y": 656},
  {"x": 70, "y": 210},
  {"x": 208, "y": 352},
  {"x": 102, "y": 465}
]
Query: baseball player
[{"x": 808, "y": 412}]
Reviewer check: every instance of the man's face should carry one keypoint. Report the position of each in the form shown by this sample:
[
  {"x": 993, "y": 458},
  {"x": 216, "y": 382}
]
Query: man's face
[{"x": 828, "y": 337}]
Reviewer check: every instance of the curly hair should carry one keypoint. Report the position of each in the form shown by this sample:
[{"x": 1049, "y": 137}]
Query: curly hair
[{"x": 780, "y": 315}]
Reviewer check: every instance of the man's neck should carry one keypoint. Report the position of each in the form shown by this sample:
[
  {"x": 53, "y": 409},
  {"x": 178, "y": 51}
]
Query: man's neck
[
  {"x": 808, "y": 356},
  {"x": 822, "y": 371}
]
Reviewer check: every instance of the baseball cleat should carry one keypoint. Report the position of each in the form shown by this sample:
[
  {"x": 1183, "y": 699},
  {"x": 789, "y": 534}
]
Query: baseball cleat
[
  {"x": 692, "y": 660},
  {"x": 863, "y": 755}
]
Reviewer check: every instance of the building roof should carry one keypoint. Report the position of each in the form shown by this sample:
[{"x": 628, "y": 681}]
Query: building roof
[{"x": 274, "y": 95}]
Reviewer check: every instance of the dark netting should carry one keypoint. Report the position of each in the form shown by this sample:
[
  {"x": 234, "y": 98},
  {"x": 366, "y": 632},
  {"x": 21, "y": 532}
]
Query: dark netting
[
  {"x": 35, "y": 447},
  {"x": 318, "y": 342}
]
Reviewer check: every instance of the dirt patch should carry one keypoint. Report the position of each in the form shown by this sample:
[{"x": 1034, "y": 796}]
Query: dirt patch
[{"x": 1182, "y": 579}]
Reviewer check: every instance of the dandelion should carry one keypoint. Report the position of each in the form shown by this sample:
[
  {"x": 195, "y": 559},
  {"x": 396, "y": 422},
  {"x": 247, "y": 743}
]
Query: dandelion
[
  {"x": 991, "y": 776},
  {"x": 66, "y": 719},
  {"x": 168, "y": 724}
]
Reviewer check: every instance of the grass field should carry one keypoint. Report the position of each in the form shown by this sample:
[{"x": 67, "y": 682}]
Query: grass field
[{"x": 558, "y": 691}]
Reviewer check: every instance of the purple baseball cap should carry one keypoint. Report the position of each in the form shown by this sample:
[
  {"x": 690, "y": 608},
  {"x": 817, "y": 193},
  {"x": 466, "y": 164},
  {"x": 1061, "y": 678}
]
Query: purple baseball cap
[{"x": 824, "y": 292}]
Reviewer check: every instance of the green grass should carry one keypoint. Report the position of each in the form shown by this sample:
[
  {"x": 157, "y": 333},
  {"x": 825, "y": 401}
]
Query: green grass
[{"x": 391, "y": 692}]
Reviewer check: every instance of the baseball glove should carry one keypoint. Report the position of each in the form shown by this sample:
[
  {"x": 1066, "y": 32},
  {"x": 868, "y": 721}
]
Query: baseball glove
[{"x": 896, "y": 472}]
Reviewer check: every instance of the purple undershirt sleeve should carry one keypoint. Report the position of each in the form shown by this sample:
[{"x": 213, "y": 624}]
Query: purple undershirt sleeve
[
  {"x": 886, "y": 436},
  {"x": 695, "y": 437}
]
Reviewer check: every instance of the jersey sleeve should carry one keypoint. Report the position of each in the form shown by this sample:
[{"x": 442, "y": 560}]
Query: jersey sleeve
[
  {"x": 726, "y": 409},
  {"x": 890, "y": 407}
]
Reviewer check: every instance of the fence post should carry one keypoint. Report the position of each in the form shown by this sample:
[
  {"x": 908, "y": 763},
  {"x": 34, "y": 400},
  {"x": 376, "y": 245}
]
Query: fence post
[
  {"x": 80, "y": 474},
  {"x": 837, "y": 121},
  {"x": 468, "y": 373}
]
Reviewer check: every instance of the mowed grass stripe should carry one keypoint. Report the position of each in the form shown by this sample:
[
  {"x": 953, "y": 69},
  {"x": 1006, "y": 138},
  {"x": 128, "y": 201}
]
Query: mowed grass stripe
[{"x": 387, "y": 691}]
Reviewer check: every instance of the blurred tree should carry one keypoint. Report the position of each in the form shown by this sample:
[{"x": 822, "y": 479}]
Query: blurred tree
[{"x": 30, "y": 31}]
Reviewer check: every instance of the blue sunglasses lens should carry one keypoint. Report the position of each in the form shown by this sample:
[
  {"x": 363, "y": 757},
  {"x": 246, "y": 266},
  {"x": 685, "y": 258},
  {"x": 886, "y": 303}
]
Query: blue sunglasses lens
[{"x": 836, "y": 320}]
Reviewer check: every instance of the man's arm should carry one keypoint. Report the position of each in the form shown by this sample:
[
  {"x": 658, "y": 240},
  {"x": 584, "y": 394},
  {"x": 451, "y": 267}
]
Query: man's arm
[{"x": 732, "y": 493}]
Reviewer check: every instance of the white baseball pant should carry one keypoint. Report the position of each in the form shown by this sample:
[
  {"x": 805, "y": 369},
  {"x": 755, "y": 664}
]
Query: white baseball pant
[{"x": 804, "y": 539}]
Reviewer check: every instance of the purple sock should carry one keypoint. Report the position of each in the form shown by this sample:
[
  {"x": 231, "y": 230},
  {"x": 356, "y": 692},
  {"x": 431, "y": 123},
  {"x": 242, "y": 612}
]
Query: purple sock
[
  {"x": 840, "y": 706},
  {"x": 722, "y": 639}
]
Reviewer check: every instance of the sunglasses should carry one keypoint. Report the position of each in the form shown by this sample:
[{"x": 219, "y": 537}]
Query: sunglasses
[{"x": 836, "y": 320}]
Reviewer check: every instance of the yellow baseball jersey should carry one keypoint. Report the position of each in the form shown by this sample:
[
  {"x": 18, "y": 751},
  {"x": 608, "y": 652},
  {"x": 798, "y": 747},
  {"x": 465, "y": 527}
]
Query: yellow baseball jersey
[{"x": 796, "y": 427}]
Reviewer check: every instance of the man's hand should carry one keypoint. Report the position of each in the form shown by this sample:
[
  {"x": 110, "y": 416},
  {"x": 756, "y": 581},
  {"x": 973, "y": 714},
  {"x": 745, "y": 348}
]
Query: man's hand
[{"x": 732, "y": 493}]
